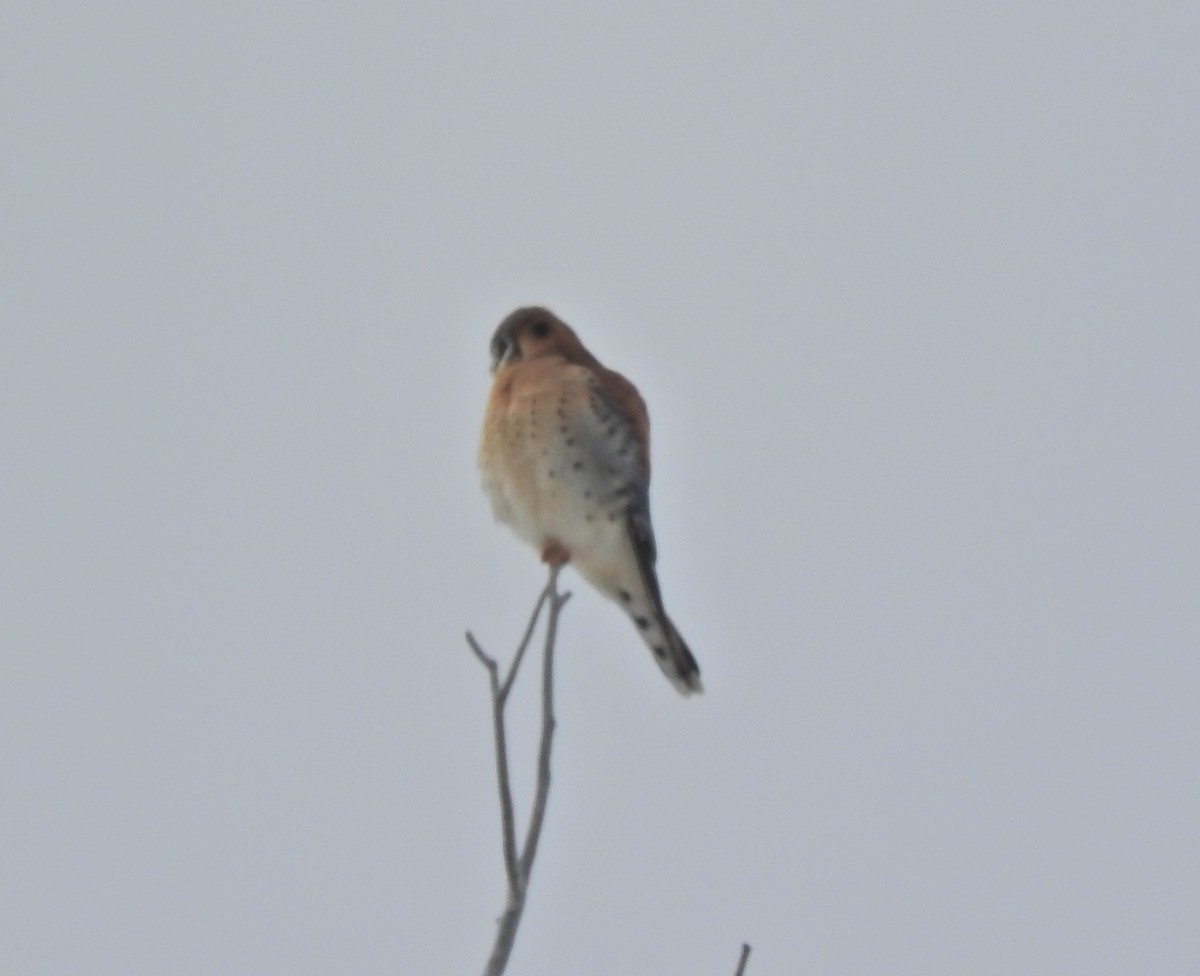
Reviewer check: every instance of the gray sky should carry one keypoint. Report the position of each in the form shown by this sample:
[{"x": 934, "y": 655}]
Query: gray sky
[{"x": 912, "y": 293}]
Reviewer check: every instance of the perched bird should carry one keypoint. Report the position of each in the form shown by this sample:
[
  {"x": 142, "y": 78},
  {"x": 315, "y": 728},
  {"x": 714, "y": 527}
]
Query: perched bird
[{"x": 565, "y": 459}]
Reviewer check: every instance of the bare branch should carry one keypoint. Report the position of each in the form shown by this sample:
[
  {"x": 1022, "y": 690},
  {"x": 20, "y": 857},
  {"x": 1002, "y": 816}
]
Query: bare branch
[
  {"x": 537, "y": 815},
  {"x": 519, "y": 864},
  {"x": 487, "y": 662},
  {"x": 506, "y": 937},
  {"x": 741, "y": 970},
  {"x": 533, "y": 619},
  {"x": 508, "y": 827}
]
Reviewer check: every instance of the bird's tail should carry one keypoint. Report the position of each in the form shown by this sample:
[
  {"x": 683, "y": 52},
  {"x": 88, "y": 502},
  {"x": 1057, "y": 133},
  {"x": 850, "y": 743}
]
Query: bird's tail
[
  {"x": 670, "y": 651},
  {"x": 639, "y": 596}
]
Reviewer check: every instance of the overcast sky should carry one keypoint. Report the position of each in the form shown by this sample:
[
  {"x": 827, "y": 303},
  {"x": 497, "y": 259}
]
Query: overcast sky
[{"x": 911, "y": 291}]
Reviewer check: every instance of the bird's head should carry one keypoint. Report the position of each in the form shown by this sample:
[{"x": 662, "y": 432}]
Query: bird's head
[{"x": 531, "y": 332}]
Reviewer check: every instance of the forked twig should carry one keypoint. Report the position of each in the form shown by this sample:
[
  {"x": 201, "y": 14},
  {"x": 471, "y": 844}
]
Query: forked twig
[{"x": 518, "y": 863}]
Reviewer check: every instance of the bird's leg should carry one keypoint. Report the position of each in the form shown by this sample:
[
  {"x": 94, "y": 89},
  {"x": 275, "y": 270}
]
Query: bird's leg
[{"x": 554, "y": 554}]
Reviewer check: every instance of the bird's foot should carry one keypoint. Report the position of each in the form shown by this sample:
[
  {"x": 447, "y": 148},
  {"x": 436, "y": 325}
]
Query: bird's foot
[{"x": 554, "y": 554}]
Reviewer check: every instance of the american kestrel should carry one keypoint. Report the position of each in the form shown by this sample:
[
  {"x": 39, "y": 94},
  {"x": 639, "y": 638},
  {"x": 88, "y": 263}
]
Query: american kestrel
[{"x": 565, "y": 459}]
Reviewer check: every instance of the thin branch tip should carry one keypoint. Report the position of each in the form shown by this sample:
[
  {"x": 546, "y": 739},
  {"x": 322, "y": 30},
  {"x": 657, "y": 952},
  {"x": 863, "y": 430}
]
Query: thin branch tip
[
  {"x": 518, "y": 860},
  {"x": 481, "y": 655}
]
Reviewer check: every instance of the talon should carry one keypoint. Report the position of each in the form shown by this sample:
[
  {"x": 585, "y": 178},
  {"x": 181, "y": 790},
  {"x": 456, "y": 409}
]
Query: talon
[{"x": 554, "y": 554}]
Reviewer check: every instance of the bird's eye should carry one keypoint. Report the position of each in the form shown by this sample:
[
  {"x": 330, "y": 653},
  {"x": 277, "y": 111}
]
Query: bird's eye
[{"x": 540, "y": 328}]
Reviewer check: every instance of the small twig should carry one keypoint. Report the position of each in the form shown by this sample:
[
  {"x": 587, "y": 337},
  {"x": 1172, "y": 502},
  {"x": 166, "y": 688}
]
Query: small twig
[
  {"x": 538, "y": 814},
  {"x": 741, "y": 970},
  {"x": 533, "y": 619},
  {"x": 508, "y": 827},
  {"x": 518, "y": 865}
]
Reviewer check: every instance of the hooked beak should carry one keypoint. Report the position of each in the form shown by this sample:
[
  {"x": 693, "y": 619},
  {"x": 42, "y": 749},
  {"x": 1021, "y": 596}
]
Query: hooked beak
[{"x": 503, "y": 350}]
